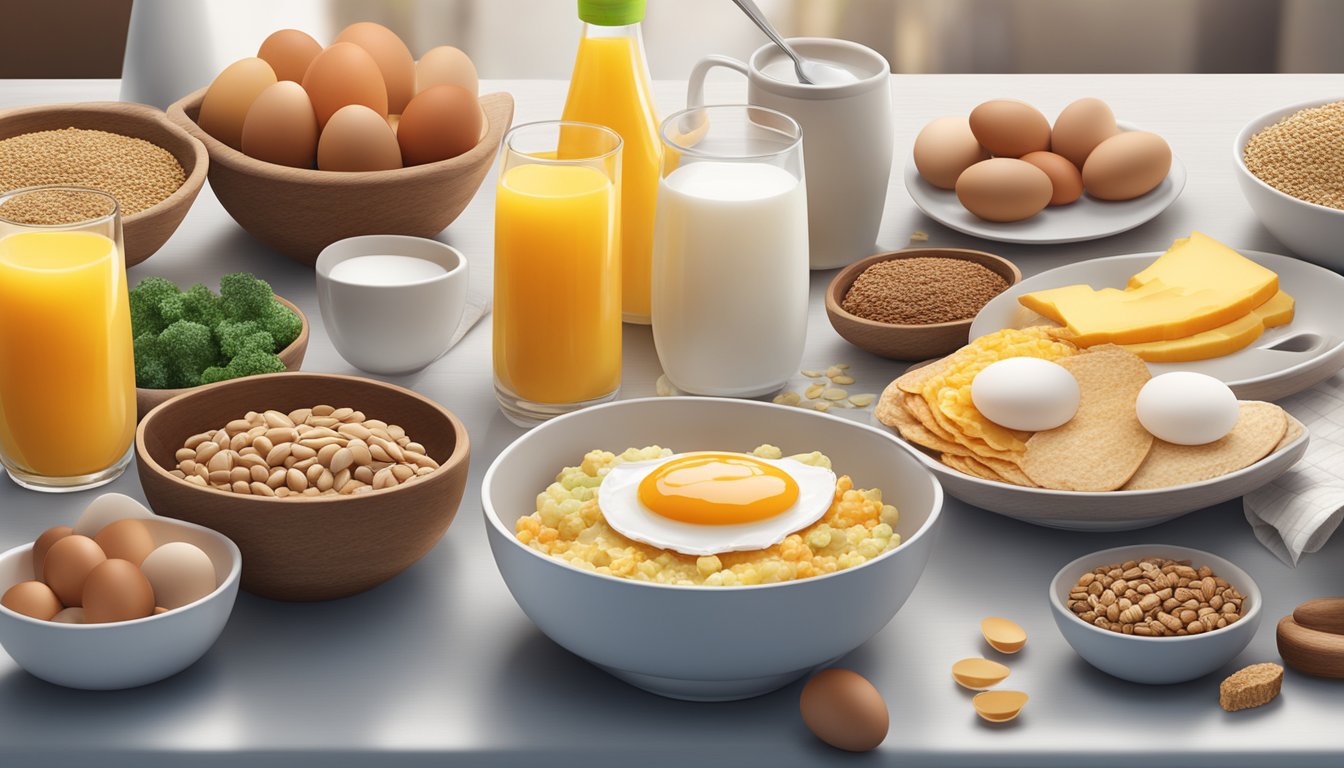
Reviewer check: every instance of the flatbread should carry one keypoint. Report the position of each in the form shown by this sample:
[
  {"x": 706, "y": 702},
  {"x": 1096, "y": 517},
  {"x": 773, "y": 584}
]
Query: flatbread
[{"x": 1259, "y": 428}]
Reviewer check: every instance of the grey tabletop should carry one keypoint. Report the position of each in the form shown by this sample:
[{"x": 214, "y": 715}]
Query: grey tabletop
[{"x": 440, "y": 666}]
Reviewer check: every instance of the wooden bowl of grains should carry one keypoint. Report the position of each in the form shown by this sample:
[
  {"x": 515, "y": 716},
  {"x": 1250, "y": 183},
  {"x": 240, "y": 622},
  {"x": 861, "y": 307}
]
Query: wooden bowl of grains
[
  {"x": 916, "y": 303},
  {"x": 133, "y": 152}
]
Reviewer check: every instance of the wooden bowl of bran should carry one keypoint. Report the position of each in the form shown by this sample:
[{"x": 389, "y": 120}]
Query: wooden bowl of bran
[{"x": 915, "y": 340}]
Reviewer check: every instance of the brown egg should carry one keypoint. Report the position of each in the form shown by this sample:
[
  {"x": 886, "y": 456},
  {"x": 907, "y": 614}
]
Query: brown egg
[
  {"x": 439, "y": 123},
  {"x": 1004, "y": 189},
  {"x": 1127, "y": 165},
  {"x": 1010, "y": 128},
  {"x": 228, "y": 98},
  {"x": 341, "y": 75},
  {"x": 33, "y": 599},
  {"x": 392, "y": 56},
  {"x": 281, "y": 127},
  {"x": 944, "y": 148},
  {"x": 68, "y": 564},
  {"x": 128, "y": 540},
  {"x": 358, "y": 139},
  {"x": 289, "y": 52},
  {"x": 117, "y": 591},
  {"x": 844, "y": 710},
  {"x": 43, "y": 544},
  {"x": 446, "y": 65},
  {"x": 1066, "y": 182},
  {"x": 1080, "y": 127}
]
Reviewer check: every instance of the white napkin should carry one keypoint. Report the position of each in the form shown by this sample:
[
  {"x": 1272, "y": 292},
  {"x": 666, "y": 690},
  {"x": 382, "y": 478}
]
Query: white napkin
[
  {"x": 1298, "y": 512},
  {"x": 480, "y": 295}
]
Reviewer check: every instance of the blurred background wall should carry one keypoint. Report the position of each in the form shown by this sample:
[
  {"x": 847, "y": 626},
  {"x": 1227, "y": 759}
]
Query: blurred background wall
[{"x": 536, "y": 38}]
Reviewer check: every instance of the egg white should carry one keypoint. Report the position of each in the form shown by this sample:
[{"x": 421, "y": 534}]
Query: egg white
[{"x": 618, "y": 499}]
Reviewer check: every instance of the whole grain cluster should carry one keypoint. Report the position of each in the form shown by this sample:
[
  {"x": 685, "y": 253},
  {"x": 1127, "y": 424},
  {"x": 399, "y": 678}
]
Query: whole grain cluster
[
  {"x": 922, "y": 291},
  {"x": 1155, "y": 597},
  {"x": 1303, "y": 155}
]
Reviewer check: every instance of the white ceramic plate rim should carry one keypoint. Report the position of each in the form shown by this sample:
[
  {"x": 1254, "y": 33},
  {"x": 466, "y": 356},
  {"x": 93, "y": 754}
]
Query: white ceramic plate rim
[
  {"x": 1264, "y": 121},
  {"x": 1248, "y": 587},
  {"x": 492, "y": 516},
  {"x": 1177, "y": 175}
]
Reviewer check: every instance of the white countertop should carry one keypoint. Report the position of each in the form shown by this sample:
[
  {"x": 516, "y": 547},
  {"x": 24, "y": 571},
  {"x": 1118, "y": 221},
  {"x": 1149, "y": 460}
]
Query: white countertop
[{"x": 439, "y": 665}]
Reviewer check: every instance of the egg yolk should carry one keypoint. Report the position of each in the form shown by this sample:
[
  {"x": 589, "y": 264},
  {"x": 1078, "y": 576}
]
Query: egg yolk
[{"x": 718, "y": 489}]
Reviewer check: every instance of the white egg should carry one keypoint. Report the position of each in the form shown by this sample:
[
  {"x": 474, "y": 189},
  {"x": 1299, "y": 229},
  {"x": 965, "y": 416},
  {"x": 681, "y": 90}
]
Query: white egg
[
  {"x": 1187, "y": 408},
  {"x": 1025, "y": 393},
  {"x": 109, "y": 508},
  {"x": 619, "y": 501},
  {"x": 180, "y": 574}
]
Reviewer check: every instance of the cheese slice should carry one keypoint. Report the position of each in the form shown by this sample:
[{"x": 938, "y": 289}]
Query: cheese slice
[{"x": 1223, "y": 340}]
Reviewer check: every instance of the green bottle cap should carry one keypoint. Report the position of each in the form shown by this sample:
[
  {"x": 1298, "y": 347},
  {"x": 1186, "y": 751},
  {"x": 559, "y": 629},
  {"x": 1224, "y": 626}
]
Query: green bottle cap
[{"x": 611, "y": 13}]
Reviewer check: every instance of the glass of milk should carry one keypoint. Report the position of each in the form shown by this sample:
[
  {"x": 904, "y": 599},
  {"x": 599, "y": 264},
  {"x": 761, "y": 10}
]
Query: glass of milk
[{"x": 730, "y": 254}]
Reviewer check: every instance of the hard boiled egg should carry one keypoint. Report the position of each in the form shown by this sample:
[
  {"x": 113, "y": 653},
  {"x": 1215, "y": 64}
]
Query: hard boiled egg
[
  {"x": 707, "y": 503},
  {"x": 1026, "y": 393},
  {"x": 1187, "y": 408}
]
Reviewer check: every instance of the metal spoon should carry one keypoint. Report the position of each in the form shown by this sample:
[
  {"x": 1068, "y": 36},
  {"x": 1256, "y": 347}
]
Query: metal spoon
[{"x": 800, "y": 65}]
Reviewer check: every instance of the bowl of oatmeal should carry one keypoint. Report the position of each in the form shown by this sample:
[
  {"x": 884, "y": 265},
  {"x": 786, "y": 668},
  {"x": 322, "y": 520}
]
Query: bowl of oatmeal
[{"x": 650, "y": 600}]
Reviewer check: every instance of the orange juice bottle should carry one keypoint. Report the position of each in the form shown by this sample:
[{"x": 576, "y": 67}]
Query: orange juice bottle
[{"x": 610, "y": 87}]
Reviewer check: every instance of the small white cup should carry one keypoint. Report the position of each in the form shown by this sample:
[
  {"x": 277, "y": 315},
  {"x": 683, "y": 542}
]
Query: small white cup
[{"x": 392, "y": 329}]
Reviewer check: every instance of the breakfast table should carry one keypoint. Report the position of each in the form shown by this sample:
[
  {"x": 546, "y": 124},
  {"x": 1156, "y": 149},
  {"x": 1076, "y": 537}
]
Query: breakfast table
[{"x": 439, "y": 665}]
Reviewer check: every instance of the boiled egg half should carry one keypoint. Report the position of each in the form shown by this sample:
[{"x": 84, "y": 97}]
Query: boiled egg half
[{"x": 707, "y": 503}]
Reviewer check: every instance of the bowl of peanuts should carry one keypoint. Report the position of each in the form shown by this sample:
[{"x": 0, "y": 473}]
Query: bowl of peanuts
[
  {"x": 153, "y": 167},
  {"x": 1155, "y": 614},
  {"x": 312, "y": 475}
]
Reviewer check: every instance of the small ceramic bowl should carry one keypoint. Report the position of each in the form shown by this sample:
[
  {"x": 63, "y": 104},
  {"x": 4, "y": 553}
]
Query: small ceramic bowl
[
  {"x": 389, "y": 325},
  {"x": 319, "y": 547},
  {"x": 1155, "y": 660},
  {"x": 292, "y": 356},
  {"x": 906, "y": 342},
  {"x": 128, "y": 653},
  {"x": 1312, "y": 231},
  {"x": 144, "y": 232}
]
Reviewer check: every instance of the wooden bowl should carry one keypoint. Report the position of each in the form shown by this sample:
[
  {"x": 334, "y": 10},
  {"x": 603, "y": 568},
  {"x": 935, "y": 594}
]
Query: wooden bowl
[
  {"x": 906, "y": 342},
  {"x": 292, "y": 356},
  {"x": 299, "y": 211},
  {"x": 144, "y": 232},
  {"x": 319, "y": 547}
]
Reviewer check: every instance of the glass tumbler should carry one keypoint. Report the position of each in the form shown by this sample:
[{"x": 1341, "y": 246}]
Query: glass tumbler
[
  {"x": 557, "y": 314},
  {"x": 730, "y": 253},
  {"x": 67, "y": 370}
]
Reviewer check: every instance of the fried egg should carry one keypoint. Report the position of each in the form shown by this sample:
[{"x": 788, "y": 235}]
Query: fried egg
[{"x": 707, "y": 503}]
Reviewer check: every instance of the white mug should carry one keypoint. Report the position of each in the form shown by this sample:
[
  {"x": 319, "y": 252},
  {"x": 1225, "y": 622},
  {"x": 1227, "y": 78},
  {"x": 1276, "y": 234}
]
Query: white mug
[{"x": 847, "y": 137}]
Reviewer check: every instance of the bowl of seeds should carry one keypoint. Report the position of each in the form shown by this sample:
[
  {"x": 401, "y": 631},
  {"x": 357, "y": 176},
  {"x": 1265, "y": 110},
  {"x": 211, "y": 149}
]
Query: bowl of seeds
[
  {"x": 133, "y": 152},
  {"x": 1155, "y": 614},
  {"x": 916, "y": 303},
  {"x": 1290, "y": 167}
]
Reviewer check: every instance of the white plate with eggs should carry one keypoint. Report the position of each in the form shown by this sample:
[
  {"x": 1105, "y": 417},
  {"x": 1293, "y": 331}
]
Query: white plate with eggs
[
  {"x": 1282, "y": 362},
  {"x": 1087, "y": 218}
]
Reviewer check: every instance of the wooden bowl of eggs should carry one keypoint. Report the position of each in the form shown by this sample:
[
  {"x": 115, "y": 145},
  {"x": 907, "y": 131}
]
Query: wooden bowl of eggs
[
  {"x": 310, "y": 145},
  {"x": 307, "y": 547}
]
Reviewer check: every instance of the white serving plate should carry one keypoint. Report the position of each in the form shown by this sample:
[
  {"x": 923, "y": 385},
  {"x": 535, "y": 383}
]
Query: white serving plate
[
  {"x": 1282, "y": 362},
  {"x": 1085, "y": 219}
]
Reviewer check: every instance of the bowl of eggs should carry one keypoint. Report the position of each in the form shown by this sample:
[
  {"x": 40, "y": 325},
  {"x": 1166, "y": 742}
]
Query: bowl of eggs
[
  {"x": 310, "y": 145},
  {"x": 120, "y": 599},
  {"x": 773, "y": 542}
]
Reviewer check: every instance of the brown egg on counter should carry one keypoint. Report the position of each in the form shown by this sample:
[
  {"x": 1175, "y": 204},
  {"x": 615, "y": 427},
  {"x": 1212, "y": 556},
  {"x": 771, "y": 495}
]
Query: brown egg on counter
[
  {"x": 128, "y": 540},
  {"x": 946, "y": 147},
  {"x": 1010, "y": 128},
  {"x": 844, "y": 710},
  {"x": 43, "y": 545},
  {"x": 1066, "y": 182},
  {"x": 281, "y": 127},
  {"x": 1004, "y": 189},
  {"x": 226, "y": 101},
  {"x": 117, "y": 591},
  {"x": 439, "y": 123},
  {"x": 1126, "y": 166},
  {"x": 446, "y": 65},
  {"x": 289, "y": 52},
  {"x": 392, "y": 56},
  {"x": 342, "y": 75},
  {"x": 68, "y": 564},
  {"x": 180, "y": 573},
  {"x": 358, "y": 139},
  {"x": 1080, "y": 127},
  {"x": 32, "y": 599}
]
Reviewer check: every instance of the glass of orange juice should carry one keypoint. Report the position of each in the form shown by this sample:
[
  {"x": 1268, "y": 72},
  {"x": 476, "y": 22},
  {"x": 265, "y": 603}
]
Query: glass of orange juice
[
  {"x": 67, "y": 370},
  {"x": 557, "y": 315}
]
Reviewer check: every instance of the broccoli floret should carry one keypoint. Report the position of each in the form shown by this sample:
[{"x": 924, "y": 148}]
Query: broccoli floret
[
  {"x": 201, "y": 305},
  {"x": 249, "y": 362},
  {"x": 281, "y": 323},
  {"x": 151, "y": 370},
  {"x": 244, "y": 296},
  {"x": 145, "y": 299},
  {"x": 234, "y": 337},
  {"x": 188, "y": 348}
]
